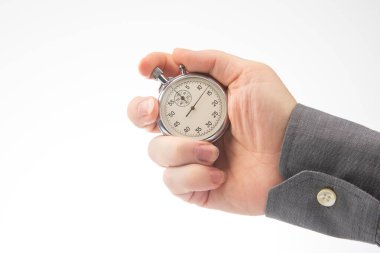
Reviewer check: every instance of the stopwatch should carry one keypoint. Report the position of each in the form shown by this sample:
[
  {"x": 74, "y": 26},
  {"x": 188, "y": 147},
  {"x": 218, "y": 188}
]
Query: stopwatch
[{"x": 191, "y": 105}]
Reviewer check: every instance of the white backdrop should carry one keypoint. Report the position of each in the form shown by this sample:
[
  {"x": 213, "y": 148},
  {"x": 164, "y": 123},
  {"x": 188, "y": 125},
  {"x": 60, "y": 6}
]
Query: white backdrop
[{"x": 74, "y": 173}]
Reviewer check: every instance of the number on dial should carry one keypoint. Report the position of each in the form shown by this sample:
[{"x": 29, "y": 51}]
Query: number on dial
[{"x": 193, "y": 108}]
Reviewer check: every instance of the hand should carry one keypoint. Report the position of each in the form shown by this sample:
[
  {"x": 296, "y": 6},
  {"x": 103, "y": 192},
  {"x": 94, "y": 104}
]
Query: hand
[{"x": 237, "y": 172}]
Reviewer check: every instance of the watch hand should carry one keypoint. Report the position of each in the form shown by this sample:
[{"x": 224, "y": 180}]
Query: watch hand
[
  {"x": 182, "y": 97},
  {"x": 193, "y": 107},
  {"x": 199, "y": 98}
]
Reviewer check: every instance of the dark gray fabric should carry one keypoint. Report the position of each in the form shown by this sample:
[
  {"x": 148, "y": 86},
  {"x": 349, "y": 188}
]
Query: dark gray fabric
[
  {"x": 329, "y": 152},
  {"x": 318, "y": 141},
  {"x": 354, "y": 215}
]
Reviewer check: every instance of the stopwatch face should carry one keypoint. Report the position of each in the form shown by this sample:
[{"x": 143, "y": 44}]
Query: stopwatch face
[{"x": 193, "y": 106}]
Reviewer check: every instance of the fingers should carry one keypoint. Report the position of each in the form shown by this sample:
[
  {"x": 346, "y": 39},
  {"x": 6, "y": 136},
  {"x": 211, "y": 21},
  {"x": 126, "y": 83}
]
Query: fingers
[
  {"x": 193, "y": 178},
  {"x": 169, "y": 151},
  {"x": 189, "y": 173},
  {"x": 222, "y": 66},
  {"x": 162, "y": 60},
  {"x": 143, "y": 112}
]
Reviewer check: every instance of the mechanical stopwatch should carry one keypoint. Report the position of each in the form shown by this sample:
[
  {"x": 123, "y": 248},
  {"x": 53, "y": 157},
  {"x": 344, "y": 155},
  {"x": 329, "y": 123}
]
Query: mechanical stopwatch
[{"x": 191, "y": 105}]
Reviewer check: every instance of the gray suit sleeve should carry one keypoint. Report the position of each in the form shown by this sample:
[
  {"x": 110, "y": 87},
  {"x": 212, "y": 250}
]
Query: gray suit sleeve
[{"x": 321, "y": 151}]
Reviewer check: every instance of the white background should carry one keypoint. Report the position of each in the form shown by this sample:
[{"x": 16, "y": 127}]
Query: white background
[{"x": 74, "y": 173}]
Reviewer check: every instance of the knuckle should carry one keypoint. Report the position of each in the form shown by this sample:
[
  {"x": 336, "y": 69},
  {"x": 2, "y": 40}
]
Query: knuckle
[
  {"x": 177, "y": 150},
  {"x": 182, "y": 152},
  {"x": 170, "y": 151},
  {"x": 168, "y": 179},
  {"x": 152, "y": 148},
  {"x": 264, "y": 68}
]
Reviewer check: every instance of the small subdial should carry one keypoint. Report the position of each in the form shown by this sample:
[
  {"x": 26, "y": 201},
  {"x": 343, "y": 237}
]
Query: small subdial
[{"x": 182, "y": 98}]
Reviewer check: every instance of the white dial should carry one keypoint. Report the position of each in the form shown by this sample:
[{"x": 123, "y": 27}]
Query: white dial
[{"x": 194, "y": 106}]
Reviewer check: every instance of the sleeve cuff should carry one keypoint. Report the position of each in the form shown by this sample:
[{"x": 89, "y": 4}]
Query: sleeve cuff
[
  {"x": 353, "y": 216},
  {"x": 321, "y": 151}
]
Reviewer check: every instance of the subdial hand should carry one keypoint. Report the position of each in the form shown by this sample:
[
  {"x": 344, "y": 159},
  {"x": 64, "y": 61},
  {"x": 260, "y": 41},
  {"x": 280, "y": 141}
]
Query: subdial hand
[
  {"x": 193, "y": 107},
  {"x": 182, "y": 97}
]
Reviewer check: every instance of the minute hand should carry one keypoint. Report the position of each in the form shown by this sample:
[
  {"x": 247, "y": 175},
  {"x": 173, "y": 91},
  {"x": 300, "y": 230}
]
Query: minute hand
[{"x": 193, "y": 107}]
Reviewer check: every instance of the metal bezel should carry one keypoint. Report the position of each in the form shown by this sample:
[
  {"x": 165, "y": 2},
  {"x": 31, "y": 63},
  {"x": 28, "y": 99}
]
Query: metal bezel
[{"x": 178, "y": 78}]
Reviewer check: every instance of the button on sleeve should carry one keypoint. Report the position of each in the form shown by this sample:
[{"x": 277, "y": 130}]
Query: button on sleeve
[
  {"x": 326, "y": 197},
  {"x": 324, "y": 203}
]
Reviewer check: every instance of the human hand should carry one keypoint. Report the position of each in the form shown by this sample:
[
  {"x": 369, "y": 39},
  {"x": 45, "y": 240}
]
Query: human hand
[{"x": 236, "y": 173}]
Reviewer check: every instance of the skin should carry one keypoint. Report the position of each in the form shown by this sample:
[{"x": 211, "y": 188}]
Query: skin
[{"x": 236, "y": 173}]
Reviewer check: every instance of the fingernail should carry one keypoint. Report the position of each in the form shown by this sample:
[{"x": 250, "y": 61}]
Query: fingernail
[
  {"x": 206, "y": 153},
  {"x": 217, "y": 177},
  {"x": 145, "y": 107}
]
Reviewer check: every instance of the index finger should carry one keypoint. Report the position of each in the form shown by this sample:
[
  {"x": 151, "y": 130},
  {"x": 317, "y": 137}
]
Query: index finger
[
  {"x": 222, "y": 66},
  {"x": 157, "y": 59}
]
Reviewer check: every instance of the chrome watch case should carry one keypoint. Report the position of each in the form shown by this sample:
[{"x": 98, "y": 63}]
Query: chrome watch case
[{"x": 157, "y": 74}]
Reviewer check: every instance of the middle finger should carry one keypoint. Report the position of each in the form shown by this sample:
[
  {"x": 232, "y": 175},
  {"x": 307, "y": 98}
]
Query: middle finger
[{"x": 169, "y": 151}]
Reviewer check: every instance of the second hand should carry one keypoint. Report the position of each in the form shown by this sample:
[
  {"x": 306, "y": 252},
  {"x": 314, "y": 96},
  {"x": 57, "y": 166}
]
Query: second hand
[{"x": 193, "y": 107}]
